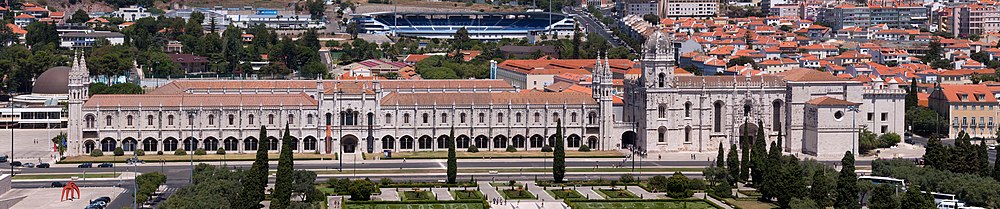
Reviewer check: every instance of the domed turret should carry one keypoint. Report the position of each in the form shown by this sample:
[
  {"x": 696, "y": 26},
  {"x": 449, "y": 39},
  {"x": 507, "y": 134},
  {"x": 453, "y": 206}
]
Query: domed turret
[{"x": 659, "y": 46}]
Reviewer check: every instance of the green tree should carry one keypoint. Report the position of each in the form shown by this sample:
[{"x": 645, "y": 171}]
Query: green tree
[
  {"x": 983, "y": 158},
  {"x": 362, "y": 190},
  {"x": 867, "y": 141},
  {"x": 847, "y": 185},
  {"x": 40, "y": 33},
  {"x": 758, "y": 154},
  {"x": 7, "y": 37},
  {"x": 803, "y": 203},
  {"x": 740, "y": 61},
  {"x": 720, "y": 160},
  {"x": 651, "y": 18},
  {"x": 452, "y": 161},
  {"x": 79, "y": 16},
  {"x": 281, "y": 197},
  {"x": 558, "y": 155},
  {"x": 734, "y": 164},
  {"x": 60, "y": 142},
  {"x": 310, "y": 39},
  {"x": 996, "y": 167},
  {"x": 884, "y": 197},
  {"x": 792, "y": 184},
  {"x": 317, "y": 8},
  {"x": 256, "y": 178},
  {"x": 212, "y": 187},
  {"x": 232, "y": 50},
  {"x": 677, "y": 186},
  {"x": 461, "y": 39},
  {"x": 822, "y": 187},
  {"x": 936, "y": 154},
  {"x": 914, "y": 199},
  {"x": 745, "y": 162}
]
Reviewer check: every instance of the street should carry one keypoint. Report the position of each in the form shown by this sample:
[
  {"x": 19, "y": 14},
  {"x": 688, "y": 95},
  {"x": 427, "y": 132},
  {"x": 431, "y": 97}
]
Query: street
[{"x": 592, "y": 26}]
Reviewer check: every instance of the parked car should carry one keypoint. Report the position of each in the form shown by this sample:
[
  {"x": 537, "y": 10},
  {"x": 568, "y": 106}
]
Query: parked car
[
  {"x": 992, "y": 147},
  {"x": 85, "y": 165},
  {"x": 102, "y": 199},
  {"x": 3, "y": 158},
  {"x": 29, "y": 165},
  {"x": 105, "y": 165},
  {"x": 15, "y": 163},
  {"x": 58, "y": 184},
  {"x": 134, "y": 161},
  {"x": 43, "y": 165}
]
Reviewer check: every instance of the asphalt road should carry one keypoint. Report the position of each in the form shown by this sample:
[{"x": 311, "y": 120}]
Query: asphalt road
[{"x": 592, "y": 25}]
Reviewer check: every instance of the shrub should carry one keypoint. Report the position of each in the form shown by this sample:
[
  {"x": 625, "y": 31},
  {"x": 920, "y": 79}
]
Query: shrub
[
  {"x": 510, "y": 148},
  {"x": 658, "y": 183},
  {"x": 888, "y": 140},
  {"x": 96, "y": 153},
  {"x": 180, "y": 151},
  {"x": 723, "y": 189},
  {"x": 119, "y": 151},
  {"x": 140, "y": 152},
  {"x": 677, "y": 186},
  {"x": 159, "y": 152},
  {"x": 584, "y": 148},
  {"x": 546, "y": 148},
  {"x": 473, "y": 149},
  {"x": 385, "y": 181},
  {"x": 627, "y": 178},
  {"x": 220, "y": 151},
  {"x": 200, "y": 151},
  {"x": 696, "y": 184}
]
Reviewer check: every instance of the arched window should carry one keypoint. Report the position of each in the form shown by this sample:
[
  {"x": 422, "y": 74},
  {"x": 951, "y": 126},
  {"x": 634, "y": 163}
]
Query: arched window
[
  {"x": 291, "y": 119},
  {"x": 232, "y": 119},
  {"x": 661, "y": 80},
  {"x": 329, "y": 118},
  {"x": 250, "y": 119},
  {"x": 687, "y": 134},
  {"x": 90, "y": 121},
  {"x": 170, "y": 120},
  {"x": 687, "y": 109},
  {"x": 211, "y": 120},
  {"x": 592, "y": 118},
  {"x": 149, "y": 120},
  {"x": 517, "y": 117},
  {"x": 270, "y": 119},
  {"x": 482, "y": 118},
  {"x": 661, "y": 134},
  {"x": 444, "y": 117},
  {"x": 555, "y": 117},
  {"x": 388, "y": 118},
  {"x": 424, "y": 117},
  {"x": 461, "y": 118},
  {"x": 406, "y": 118},
  {"x": 661, "y": 111},
  {"x": 538, "y": 117},
  {"x": 776, "y": 115},
  {"x": 572, "y": 117},
  {"x": 499, "y": 117},
  {"x": 128, "y": 120},
  {"x": 717, "y": 110},
  {"x": 746, "y": 108},
  {"x": 190, "y": 120},
  {"x": 309, "y": 119}
]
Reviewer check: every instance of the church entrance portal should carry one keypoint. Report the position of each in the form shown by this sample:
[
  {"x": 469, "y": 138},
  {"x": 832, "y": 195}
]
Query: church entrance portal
[{"x": 349, "y": 144}]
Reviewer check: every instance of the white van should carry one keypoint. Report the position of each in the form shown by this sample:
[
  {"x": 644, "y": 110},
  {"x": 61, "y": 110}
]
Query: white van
[{"x": 950, "y": 204}]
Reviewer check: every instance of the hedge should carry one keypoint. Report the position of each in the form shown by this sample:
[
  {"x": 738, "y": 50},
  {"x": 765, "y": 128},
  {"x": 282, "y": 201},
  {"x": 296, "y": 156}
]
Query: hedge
[
  {"x": 572, "y": 202},
  {"x": 427, "y": 184}
]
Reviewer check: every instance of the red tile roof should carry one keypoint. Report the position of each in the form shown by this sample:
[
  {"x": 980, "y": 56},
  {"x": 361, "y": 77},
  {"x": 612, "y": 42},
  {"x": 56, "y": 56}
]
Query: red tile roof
[{"x": 830, "y": 101}]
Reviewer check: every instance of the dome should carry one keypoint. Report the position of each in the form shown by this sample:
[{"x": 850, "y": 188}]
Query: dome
[
  {"x": 52, "y": 81},
  {"x": 658, "y": 40}
]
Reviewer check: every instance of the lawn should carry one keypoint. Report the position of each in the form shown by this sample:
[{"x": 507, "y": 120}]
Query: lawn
[
  {"x": 565, "y": 194},
  {"x": 499, "y": 154},
  {"x": 417, "y": 195},
  {"x": 467, "y": 195},
  {"x": 750, "y": 204},
  {"x": 617, "y": 194},
  {"x": 517, "y": 194},
  {"x": 64, "y": 176},
  {"x": 504, "y": 184},
  {"x": 170, "y": 157},
  {"x": 416, "y": 206},
  {"x": 325, "y": 189},
  {"x": 643, "y": 205}
]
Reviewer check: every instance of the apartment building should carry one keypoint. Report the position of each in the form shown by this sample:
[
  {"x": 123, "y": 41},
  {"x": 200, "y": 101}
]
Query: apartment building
[
  {"x": 974, "y": 19},
  {"x": 969, "y": 108},
  {"x": 676, "y": 9},
  {"x": 891, "y": 13},
  {"x": 637, "y": 7}
]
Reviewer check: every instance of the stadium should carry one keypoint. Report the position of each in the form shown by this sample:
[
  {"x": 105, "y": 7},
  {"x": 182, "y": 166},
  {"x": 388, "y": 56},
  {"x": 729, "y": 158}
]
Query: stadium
[{"x": 481, "y": 25}]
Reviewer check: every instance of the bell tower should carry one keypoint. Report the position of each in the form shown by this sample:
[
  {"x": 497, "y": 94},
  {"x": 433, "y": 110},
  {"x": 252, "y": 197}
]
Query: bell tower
[
  {"x": 79, "y": 87},
  {"x": 658, "y": 61}
]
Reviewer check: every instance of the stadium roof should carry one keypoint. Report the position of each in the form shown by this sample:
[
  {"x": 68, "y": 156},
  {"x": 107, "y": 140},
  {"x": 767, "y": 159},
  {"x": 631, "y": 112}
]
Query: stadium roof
[{"x": 461, "y": 13}]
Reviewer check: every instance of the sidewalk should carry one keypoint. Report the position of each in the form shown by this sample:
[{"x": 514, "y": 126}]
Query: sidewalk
[{"x": 121, "y": 176}]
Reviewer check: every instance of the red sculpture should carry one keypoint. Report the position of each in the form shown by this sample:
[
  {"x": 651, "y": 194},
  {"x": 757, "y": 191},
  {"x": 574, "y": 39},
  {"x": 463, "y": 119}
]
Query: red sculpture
[{"x": 67, "y": 192}]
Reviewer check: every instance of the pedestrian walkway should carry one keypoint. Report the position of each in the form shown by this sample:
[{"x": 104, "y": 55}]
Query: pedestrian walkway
[
  {"x": 589, "y": 193},
  {"x": 713, "y": 200},
  {"x": 639, "y": 191},
  {"x": 488, "y": 190},
  {"x": 442, "y": 194},
  {"x": 538, "y": 191},
  {"x": 388, "y": 194}
]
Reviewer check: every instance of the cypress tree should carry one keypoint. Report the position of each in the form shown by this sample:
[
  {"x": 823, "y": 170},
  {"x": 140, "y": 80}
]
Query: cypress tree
[
  {"x": 452, "y": 161},
  {"x": 734, "y": 164},
  {"x": 281, "y": 197},
  {"x": 996, "y": 166},
  {"x": 745, "y": 163},
  {"x": 559, "y": 155},
  {"x": 935, "y": 155},
  {"x": 255, "y": 180},
  {"x": 820, "y": 190},
  {"x": 720, "y": 161},
  {"x": 758, "y": 153},
  {"x": 770, "y": 165},
  {"x": 983, "y": 159},
  {"x": 847, "y": 185}
]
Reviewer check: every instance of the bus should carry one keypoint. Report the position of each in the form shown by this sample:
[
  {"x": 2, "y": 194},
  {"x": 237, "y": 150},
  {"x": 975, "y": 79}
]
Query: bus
[
  {"x": 884, "y": 180},
  {"x": 941, "y": 197}
]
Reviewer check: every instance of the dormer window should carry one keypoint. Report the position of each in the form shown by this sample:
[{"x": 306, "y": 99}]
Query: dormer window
[
  {"x": 964, "y": 97},
  {"x": 981, "y": 97}
]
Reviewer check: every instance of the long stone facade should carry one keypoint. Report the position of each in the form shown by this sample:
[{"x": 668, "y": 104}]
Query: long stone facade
[{"x": 814, "y": 112}]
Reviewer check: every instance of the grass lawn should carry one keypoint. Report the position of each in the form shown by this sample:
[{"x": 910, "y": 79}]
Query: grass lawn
[
  {"x": 504, "y": 184},
  {"x": 617, "y": 194},
  {"x": 644, "y": 205},
  {"x": 750, "y": 204},
  {"x": 170, "y": 157},
  {"x": 499, "y": 154},
  {"x": 64, "y": 176},
  {"x": 416, "y": 206},
  {"x": 467, "y": 195},
  {"x": 565, "y": 194},
  {"x": 517, "y": 194},
  {"x": 326, "y": 190},
  {"x": 417, "y": 195}
]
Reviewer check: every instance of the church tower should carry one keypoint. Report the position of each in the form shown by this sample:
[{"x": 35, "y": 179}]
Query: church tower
[
  {"x": 658, "y": 61},
  {"x": 79, "y": 85},
  {"x": 603, "y": 92}
]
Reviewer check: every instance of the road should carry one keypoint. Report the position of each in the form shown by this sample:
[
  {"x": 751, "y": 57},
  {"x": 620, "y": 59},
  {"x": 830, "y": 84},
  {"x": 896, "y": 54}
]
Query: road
[{"x": 593, "y": 26}]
